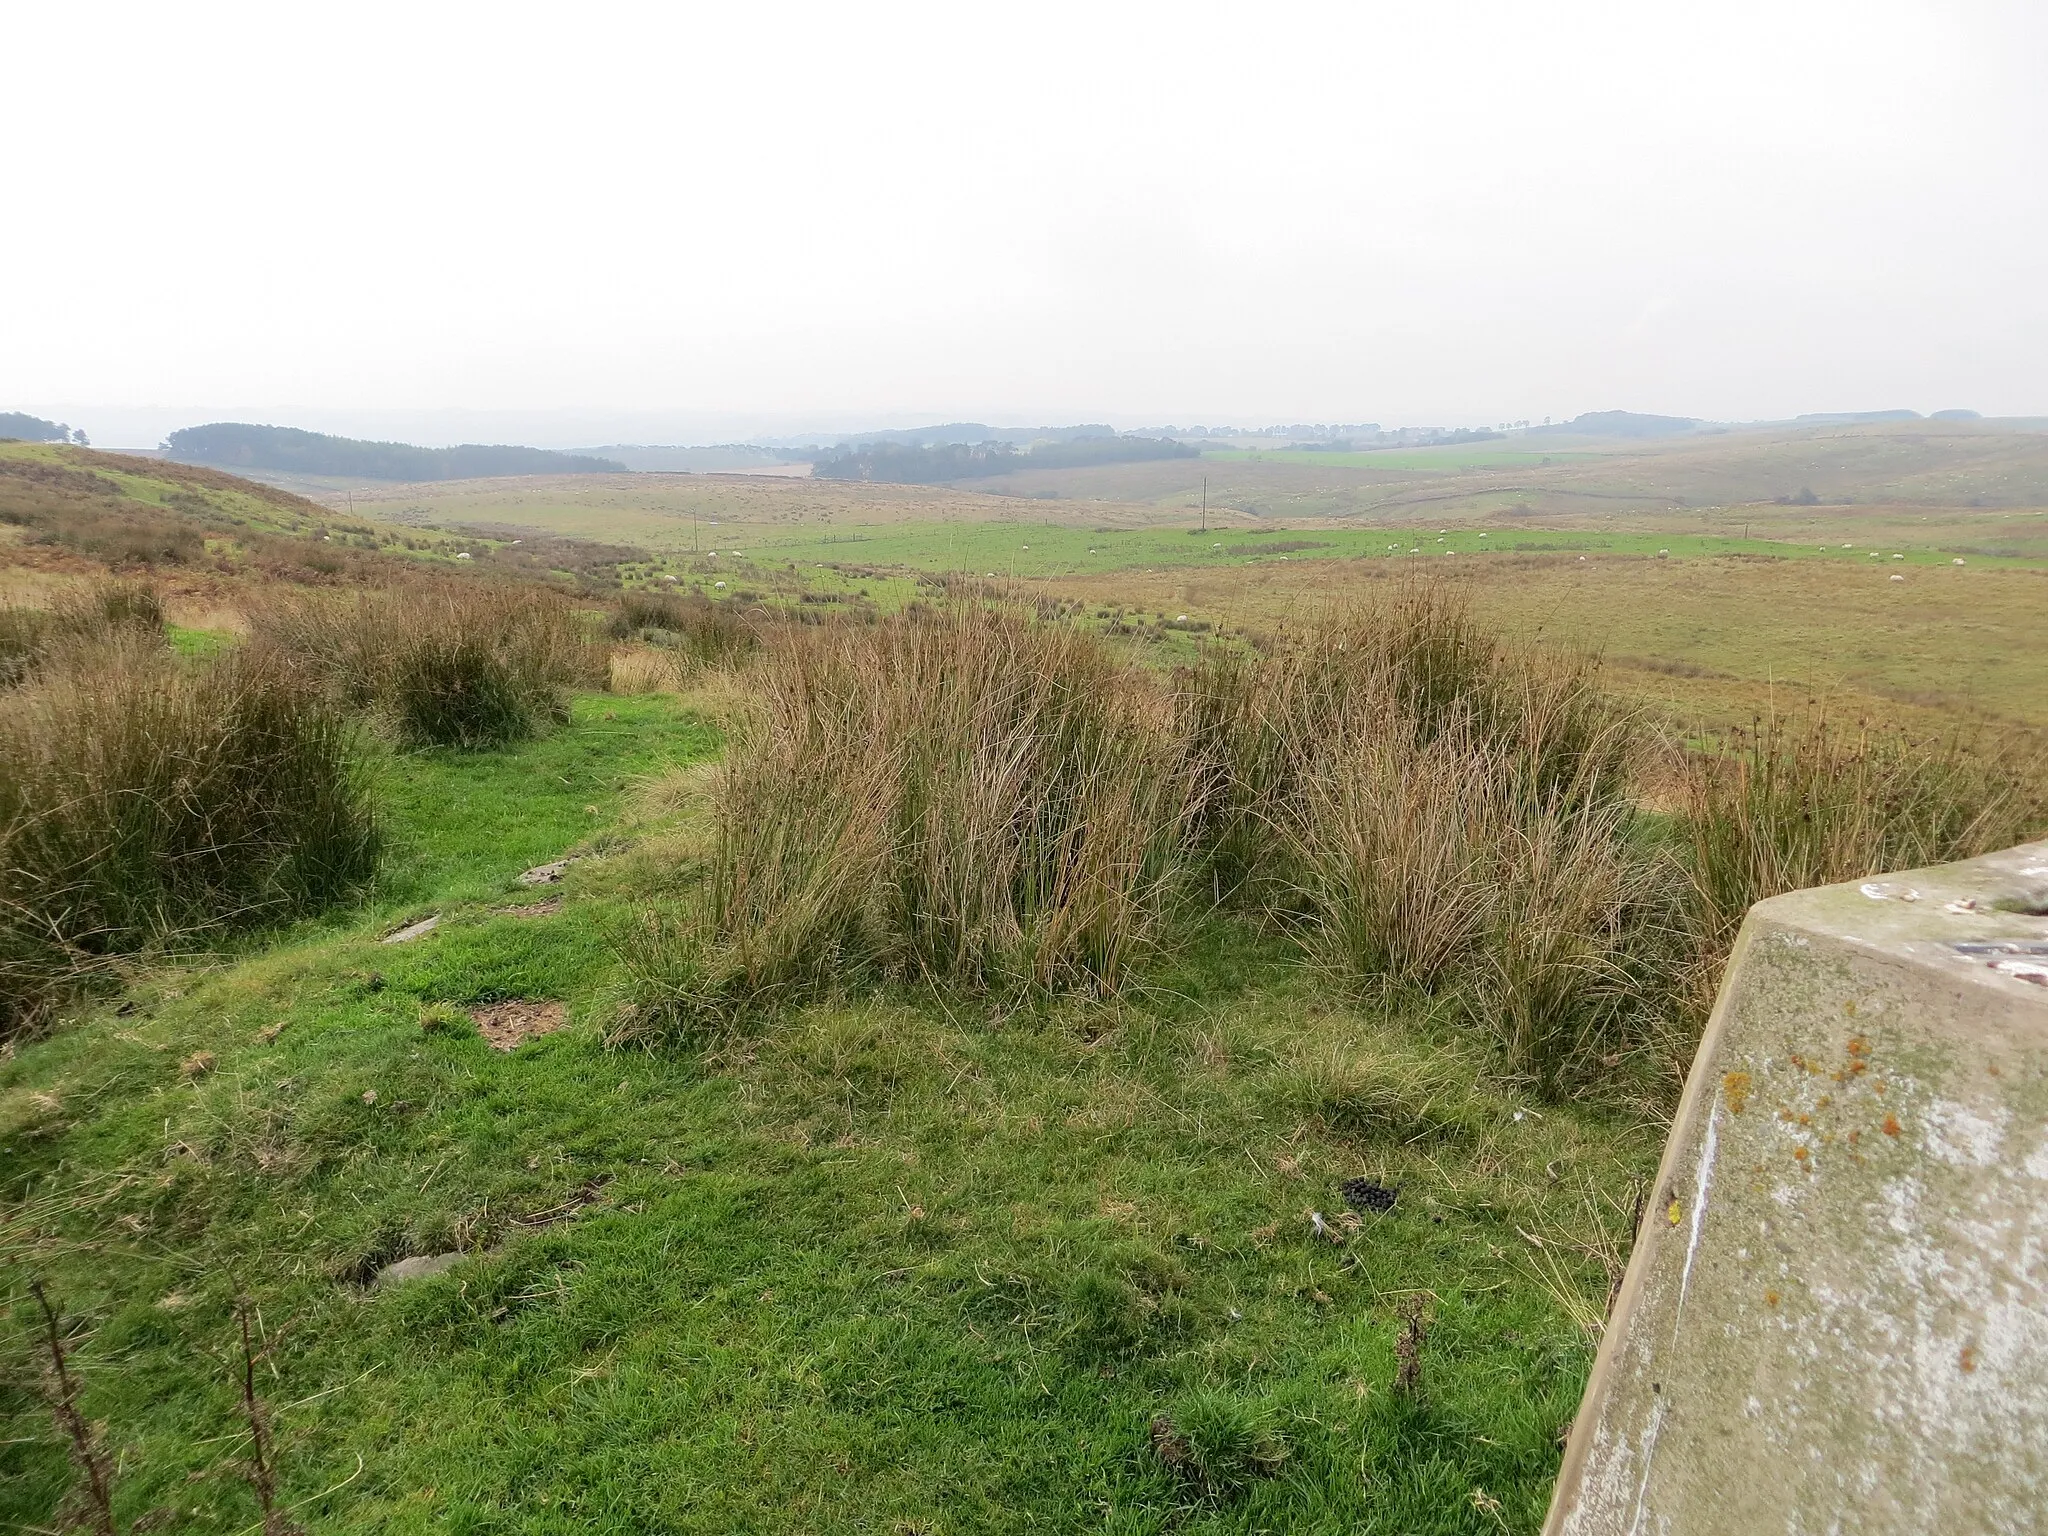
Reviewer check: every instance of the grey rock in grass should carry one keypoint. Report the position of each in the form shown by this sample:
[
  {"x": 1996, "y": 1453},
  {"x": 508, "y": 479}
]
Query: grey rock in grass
[
  {"x": 546, "y": 874},
  {"x": 411, "y": 931},
  {"x": 417, "y": 1267}
]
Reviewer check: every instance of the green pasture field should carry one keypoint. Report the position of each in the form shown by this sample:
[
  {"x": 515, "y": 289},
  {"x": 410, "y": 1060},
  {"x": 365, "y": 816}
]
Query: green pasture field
[
  {"x": 1451, "y": 457},
  {"x": 897, "y": 1263},
  {"x": 1715, "y": 639},
  {"x": 1020, "y": 550}
]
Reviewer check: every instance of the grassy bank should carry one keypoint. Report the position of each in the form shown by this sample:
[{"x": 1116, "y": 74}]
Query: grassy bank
[{"x": 889, "y": 1263}]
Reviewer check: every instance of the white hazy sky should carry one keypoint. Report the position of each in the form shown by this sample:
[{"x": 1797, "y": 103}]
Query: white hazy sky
[{"x": 582, "y": 222}]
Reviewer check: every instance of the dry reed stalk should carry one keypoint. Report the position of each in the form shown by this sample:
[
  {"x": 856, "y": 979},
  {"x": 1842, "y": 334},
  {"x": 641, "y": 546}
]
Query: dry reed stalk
[{"x": 92, "y": 1502}]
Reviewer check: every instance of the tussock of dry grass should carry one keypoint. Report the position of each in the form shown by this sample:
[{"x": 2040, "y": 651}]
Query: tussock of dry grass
[
  {"x": 693, "y": 630},
  {"x": 994, "y": 800},
  {"x": 644, "y": 670},
  {"x": 1800, "y": 802},
  {"x": 79, "y": 619},
  {"x": 1432, "y": 809},
  {"x": 144, "y": 802},
  {"x": 462, "y": 664},
  {"x": 957, "y": 793}
]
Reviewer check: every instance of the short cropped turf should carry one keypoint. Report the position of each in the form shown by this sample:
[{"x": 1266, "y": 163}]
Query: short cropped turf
[{"x": 891, "y": 1263}]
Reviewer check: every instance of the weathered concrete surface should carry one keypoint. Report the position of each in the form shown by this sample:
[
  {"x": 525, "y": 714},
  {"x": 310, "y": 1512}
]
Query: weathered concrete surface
[{"x": 1836, "y": 1317}]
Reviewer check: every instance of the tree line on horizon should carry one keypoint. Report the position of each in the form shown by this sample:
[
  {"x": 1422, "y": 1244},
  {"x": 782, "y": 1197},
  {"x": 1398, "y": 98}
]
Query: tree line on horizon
[
  {"x": 34, "y": 429},
  {"x": 929, "y": 464}
]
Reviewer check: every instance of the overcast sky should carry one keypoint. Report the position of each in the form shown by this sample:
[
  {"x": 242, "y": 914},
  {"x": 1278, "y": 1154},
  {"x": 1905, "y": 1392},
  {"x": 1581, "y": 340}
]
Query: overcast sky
[{"x": 571, "y": 223}]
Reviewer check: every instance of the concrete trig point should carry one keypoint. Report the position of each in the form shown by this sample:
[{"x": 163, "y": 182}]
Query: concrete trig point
[{"x": 1836, "y": 1316}]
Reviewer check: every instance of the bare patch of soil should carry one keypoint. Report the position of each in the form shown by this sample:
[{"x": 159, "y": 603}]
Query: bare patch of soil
[
  {"x": 505, "y": 1025},
  {"x": 546, "y": 908}
]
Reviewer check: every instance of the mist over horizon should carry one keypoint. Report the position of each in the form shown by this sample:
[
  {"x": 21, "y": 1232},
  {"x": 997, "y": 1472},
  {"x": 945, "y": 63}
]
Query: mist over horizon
[
  {"x": 794, "y": 219},
  {"x": 146, "y": 428}
]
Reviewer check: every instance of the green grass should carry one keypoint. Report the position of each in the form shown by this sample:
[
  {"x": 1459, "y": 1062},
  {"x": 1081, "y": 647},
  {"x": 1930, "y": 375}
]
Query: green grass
[
  {"x": 891, "y": 1264},
  {"x": 197, "y": 644},
  {"x": 1451, "y": 457},
  {"x": 1025, "y": 550}
]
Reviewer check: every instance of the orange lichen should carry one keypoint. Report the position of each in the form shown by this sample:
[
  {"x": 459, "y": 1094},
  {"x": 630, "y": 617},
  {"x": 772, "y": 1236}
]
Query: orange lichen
[
  {"x": 1859, "y": 1046},
  {"x": 1800, "y": 1153},
  {"x": 1735, "y": 1088},
  {"x": 1891, "y": 1125},
  {"x": 1969, "y": 1357},
  {"x": 1770, "y": 1298}
]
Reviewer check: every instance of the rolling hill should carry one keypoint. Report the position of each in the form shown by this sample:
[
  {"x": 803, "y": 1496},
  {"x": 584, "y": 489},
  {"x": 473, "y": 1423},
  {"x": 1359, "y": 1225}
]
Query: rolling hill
[{"x": 290, "y": 450}]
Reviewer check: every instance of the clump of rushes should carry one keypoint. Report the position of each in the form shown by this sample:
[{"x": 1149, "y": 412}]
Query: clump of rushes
[
  {"x": 30, "y": 637},
  {"x": 145, "y": 804},
  {"x": 701, "y": 632},
  {"x": 457, "y": 664},
  {"x": 995, "y": 800},
  {"x": 1433, "y": 810},
  {"x": 962, "y": 794},
  {"x": 1797, "y": 802}
]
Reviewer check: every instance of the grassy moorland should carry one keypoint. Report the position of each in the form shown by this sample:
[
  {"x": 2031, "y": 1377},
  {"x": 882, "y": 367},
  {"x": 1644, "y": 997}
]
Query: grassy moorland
[
  {"x": 1927, "y": 467},
  {"x": 1712, "y": 640},
  {"x": 967, "y": 1077},
  {"x": 1694, "y": 565}
]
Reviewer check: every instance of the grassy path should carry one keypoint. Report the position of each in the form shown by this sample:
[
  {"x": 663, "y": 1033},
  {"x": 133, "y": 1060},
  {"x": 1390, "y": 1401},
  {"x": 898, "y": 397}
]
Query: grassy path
[{"x": 892, "y": 1265}]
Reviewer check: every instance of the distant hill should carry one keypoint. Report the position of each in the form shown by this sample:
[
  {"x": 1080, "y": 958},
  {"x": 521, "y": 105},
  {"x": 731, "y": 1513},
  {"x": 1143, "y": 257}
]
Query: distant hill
[
  {"x": 61, "y": 505},
  {"x": 33, "y": 429},
  {"x": 241, "y": 445},
  {"x": 1622, "y": 424},
  {"x": 968, "y": 434},
  {"x": 913, "y": 464}
]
